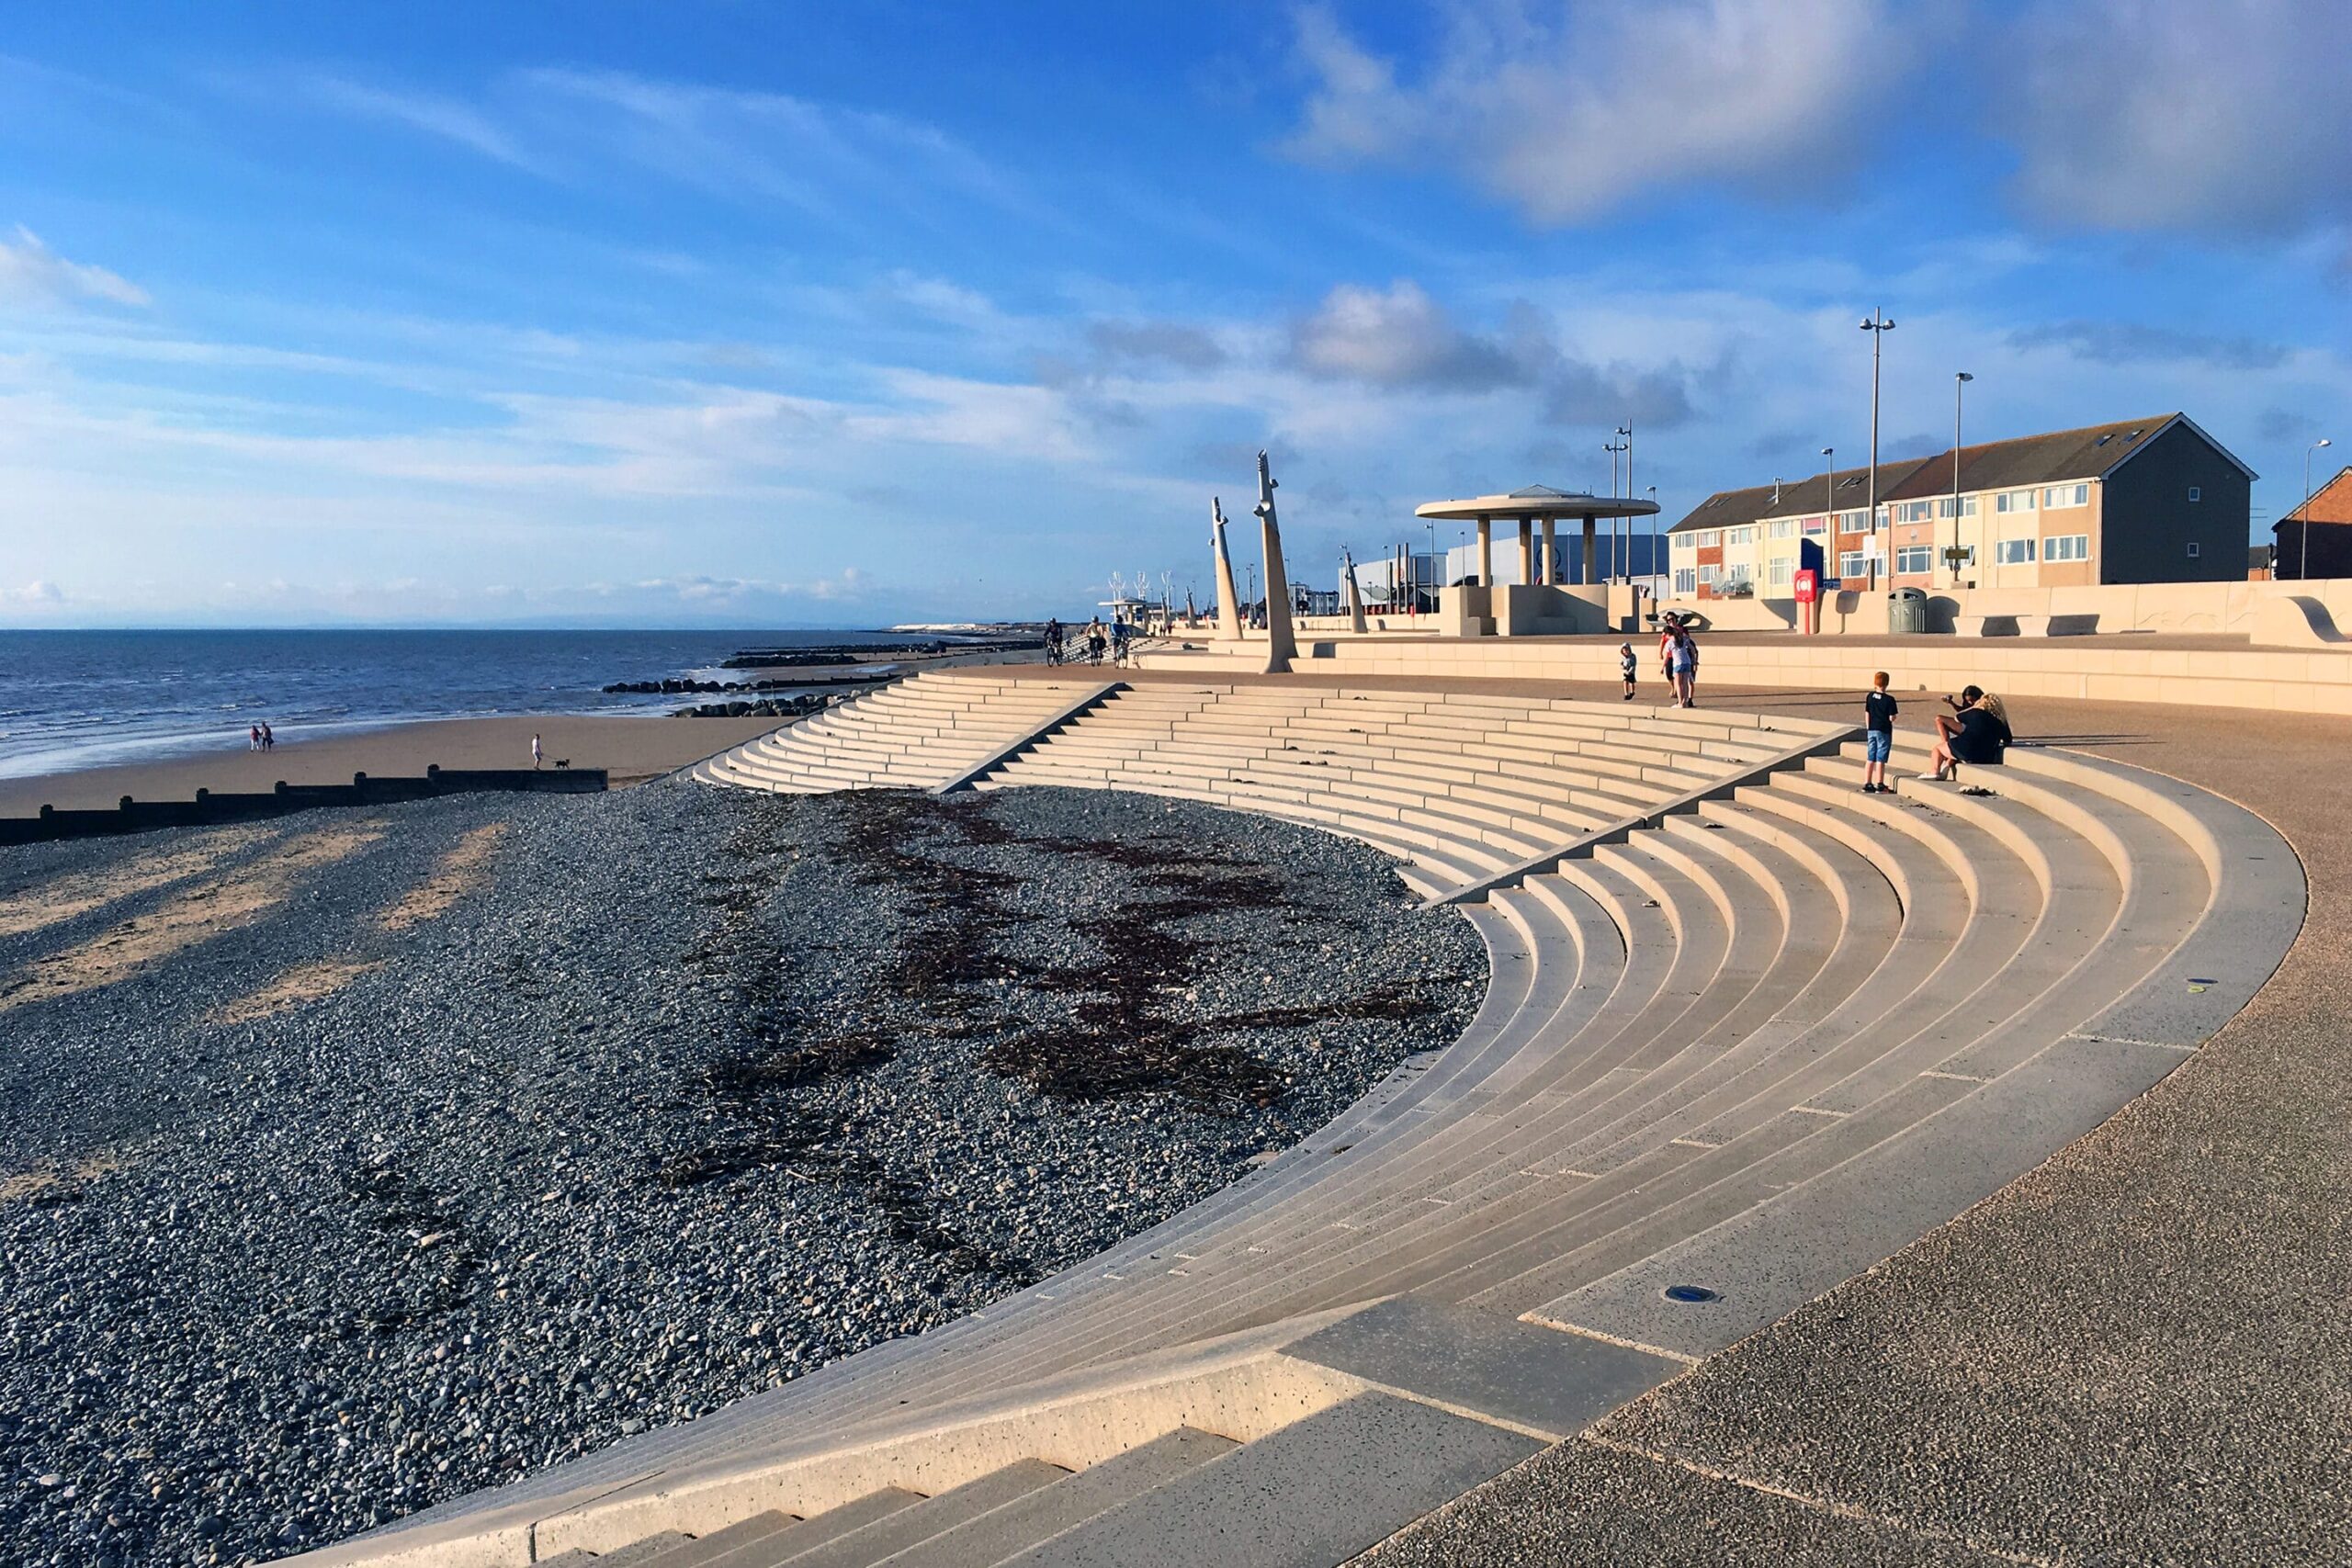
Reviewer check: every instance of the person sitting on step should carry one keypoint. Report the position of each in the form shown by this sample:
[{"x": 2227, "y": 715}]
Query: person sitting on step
[{"x": 1972, "y": 732}]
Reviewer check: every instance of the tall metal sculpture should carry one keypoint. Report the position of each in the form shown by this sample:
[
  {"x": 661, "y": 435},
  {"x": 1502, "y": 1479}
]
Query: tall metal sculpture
[
  {"x": 1353, "y": 590},
  {"x": 1281, "y": 642},
  {"x": 1231, "y": 614}
]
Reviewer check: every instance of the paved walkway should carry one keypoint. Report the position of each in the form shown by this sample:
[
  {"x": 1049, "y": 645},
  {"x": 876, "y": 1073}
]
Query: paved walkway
[{"x": 2136, "y": 1354}]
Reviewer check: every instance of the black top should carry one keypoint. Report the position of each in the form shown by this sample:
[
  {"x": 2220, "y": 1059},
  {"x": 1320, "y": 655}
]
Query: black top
[
  {"x": 1982, "y": 737},
  {"x": 1883, "y": 710}
]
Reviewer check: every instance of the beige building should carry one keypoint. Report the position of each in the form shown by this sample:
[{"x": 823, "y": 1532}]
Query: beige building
[{"x": 2139, "y": 501}]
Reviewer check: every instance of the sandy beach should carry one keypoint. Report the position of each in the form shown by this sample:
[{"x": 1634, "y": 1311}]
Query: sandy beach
[{"x": 631, "y": 750}]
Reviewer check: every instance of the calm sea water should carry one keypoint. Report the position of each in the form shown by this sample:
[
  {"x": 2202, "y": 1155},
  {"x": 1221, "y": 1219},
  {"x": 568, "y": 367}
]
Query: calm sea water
[{"x": 82, "y": 699}]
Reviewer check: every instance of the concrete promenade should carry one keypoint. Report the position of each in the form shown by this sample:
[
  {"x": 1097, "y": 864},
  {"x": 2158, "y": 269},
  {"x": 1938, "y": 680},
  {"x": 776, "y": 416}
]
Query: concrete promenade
[{"x": 2134, "y": 1354}]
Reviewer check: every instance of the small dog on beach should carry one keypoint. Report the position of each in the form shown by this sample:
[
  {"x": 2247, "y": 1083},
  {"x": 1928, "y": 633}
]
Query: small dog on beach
[{"x": 563, "y": 761}]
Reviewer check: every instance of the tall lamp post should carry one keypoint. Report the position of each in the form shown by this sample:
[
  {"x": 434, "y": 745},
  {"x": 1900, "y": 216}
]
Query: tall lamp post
[
  {"x": 2304, "y": 572},
  {"x": 1625, "y": 524},
  {"x": 1878, "y": 326},
  {"x": 1613, "y": 448},
  {"x": 1655, "y": 595},
  {"x": 1829, "y": 499},
  {"x": 1959, "y": 378}
]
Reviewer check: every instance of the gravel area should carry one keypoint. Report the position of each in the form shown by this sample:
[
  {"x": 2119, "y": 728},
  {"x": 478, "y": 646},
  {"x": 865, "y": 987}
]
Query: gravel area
[{"x": 372, "y": 1158}]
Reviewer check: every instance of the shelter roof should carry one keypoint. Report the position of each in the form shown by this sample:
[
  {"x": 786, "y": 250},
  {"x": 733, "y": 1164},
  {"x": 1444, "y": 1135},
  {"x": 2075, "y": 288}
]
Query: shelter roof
[{"x": 1537, "y": 501}]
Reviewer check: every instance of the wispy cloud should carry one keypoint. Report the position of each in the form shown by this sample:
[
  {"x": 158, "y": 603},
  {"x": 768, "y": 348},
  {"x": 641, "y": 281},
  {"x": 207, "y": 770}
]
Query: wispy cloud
[
  {"x": 32, "y": 273},
  {"x": 2127, "y": 343},
  {"x": 446, "y": 119}
]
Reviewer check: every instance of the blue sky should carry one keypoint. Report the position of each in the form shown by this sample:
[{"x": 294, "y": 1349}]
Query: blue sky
[{"x": 763, "y": 313}]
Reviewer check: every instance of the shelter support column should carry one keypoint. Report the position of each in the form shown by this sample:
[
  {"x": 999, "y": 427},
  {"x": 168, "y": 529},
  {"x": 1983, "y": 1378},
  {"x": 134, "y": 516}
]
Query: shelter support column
[
  {"x": 1526, "y": 551},
  {"x": 1591, "y": 555},
  {"x": 1486, "y": 552},
  {"x": 1551, "y": 561}
]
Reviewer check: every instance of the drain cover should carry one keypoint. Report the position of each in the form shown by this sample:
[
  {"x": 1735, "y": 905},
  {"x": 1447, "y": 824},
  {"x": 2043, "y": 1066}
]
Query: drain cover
[{"x": 1688, "y": 1293}]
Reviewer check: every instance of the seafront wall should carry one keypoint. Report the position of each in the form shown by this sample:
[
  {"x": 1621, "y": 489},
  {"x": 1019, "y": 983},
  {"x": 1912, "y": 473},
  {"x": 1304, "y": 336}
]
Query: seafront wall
[
  {"x": 138, "y": 816},
  {"x": 2266, "y": 612}
]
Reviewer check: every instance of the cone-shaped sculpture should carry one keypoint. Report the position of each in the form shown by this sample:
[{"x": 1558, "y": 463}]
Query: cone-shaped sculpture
[
  {"x": 1354, "y": 592},
  {"x": 1229, "y": 601},
  {"x": 1281, "y": 642}
]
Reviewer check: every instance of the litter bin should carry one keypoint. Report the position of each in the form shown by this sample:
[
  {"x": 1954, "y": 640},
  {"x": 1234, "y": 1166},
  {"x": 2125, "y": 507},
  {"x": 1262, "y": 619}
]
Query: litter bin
[{"x": 1906, "y": 612}]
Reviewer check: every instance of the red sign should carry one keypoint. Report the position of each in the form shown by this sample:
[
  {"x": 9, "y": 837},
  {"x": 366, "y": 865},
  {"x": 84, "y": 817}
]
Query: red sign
[{"x": 1808, "y": 586}]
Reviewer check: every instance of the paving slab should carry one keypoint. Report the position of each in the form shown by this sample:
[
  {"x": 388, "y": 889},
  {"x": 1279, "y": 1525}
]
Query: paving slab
[{"x": 1482, "y": 1361}]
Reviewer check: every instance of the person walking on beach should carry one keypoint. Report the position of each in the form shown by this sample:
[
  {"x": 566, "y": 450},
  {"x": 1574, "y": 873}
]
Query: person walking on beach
[
  {"x": 1879, "y": 708},
  {"x": 253, "y": 738},
  {"x": 268, "y": 735},
  {"x": 1626, "y": 665},
  {"x": 535, "y": 752}
]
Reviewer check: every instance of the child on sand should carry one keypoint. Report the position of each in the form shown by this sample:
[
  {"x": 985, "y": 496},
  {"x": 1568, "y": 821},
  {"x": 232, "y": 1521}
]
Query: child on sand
[
  {"x": 1626, "y": 665},
  {"x": 1879, "y": 708}
]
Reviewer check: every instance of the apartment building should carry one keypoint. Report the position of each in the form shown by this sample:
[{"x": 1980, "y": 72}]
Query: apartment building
[{"x": 2140, "y": 501}]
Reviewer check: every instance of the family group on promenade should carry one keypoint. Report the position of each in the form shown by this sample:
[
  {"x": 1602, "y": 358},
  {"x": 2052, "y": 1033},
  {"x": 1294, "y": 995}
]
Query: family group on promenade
[{"x": 1678, "y": 654}]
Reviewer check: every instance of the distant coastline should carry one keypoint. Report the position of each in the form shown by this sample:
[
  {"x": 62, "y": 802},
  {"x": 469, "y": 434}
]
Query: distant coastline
[{"x": 78, "y": 700}]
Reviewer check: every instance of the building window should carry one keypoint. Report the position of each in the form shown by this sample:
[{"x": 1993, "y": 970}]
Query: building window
[
  {"x": 1686, "y": 581},
  {"x": 1783, "y": 528},
  {"x": 1914, "y": 557},
  {"x": 2013, "y": 552},
  {"x": 2192, "y": 549},
  {"x": 1710, "y": 538},
  {"x": 1707, "y": 575},
  {"x": 1740, "y": 536},
  {"x": 1915, "y": 512},
  {"x": 2074, "y": 495},
  {"x": 1815, "y": 526},
  {"x": 2066, "y": 547},
  {"x": 1851, "y": 564},
  {"x": 2014, "y": 500},
  {"x": 1967, "y": 507},
  {"x": 1780, "y": 568},
  {"x": 2195, "y": 494}
]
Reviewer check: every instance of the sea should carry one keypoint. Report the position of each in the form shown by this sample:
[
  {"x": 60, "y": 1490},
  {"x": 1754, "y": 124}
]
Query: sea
[{"x": 82, "y": 699}]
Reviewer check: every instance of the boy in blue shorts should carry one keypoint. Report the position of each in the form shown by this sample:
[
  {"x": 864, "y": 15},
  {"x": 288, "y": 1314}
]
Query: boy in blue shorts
[{"x": 1879, "y": 707}]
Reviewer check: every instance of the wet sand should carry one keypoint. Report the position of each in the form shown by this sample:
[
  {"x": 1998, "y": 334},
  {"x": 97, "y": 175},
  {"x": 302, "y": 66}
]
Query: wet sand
[{"x": 630, "y": 750}]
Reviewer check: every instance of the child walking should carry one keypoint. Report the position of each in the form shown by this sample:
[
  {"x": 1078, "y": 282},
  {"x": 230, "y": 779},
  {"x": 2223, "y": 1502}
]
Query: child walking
[
  {"x": 1879, "y": 707},
  {"x": 1626, "y": 665}
]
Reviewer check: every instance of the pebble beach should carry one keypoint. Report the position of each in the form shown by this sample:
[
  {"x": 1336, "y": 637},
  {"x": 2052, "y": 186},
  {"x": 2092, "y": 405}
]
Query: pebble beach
[{"x": 362, "y": 1158}]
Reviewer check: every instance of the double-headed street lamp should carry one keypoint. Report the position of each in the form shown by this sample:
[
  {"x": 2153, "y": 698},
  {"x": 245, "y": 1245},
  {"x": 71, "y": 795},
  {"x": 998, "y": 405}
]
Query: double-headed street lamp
[
  {"x": 2303, "y": 571},
  {"x": 1959, "y": 378},
  {"x": 1878, "y": 326},
  {"x": 1625, "y": 524}
]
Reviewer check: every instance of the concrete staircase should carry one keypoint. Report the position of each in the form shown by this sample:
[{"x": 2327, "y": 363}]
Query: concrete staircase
[
  {"x": 1731, "y": 1056},
  {"x": 925, "y": 732}
]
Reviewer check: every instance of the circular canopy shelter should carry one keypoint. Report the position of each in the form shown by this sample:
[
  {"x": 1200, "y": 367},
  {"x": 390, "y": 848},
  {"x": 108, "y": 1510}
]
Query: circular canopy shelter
[{"x": 1534, "y": 504}]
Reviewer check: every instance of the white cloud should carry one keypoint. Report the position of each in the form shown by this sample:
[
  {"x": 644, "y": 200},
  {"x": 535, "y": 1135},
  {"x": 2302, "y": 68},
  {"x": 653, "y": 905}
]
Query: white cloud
[
  {"x": 2184, "y": 114},
  {"x": 1570, "y": 118},
  {"x": 30, "y": 271},
  {"x": 34, "y": 594}
]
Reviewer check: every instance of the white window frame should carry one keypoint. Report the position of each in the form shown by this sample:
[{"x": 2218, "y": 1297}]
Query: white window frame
[
  {"x": 2066, "y": 548},
  {"x": 2014, "y": 500},
  {"x": 2014, "y": 552},
  {"x": 1739, "y": 535},
  {"x": 1707, "y": 574},
  {"x": 2056, "y": 497},
  {"x": 2192, "y": 549},
  {"x": 1910, "y": 560},
  {"x": 1853, "y": 563},
  {"x": 1710, "y": 538},
  {"x": 1783, "y": 528},
  {"x": 1814, "y": 527},
  {"x": 1686, "y": 581},
  {"x": 1780, "y": 572},
  {"x": 2196, "y": 493}
]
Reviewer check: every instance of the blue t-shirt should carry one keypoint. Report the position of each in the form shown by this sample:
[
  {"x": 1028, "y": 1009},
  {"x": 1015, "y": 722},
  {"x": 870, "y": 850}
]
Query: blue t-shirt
[{"x": 1882, "y": 709}]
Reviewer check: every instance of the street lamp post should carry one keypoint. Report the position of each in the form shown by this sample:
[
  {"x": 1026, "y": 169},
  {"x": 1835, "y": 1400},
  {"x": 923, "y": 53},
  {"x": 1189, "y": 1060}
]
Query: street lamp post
[
  {"x": 2304, "y": 572},
  {"x": 1878, "y": 326},
  {"x": 1613, "y": 448},
  {"x": 1625, "y": 524},
  {"x": 1959, "y": 378},
  {"x": 1829, "y": 499},
  {"x": 1655, "y": 595}
]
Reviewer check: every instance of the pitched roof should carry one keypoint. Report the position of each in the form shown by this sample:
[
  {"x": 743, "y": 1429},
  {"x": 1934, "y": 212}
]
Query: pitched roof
[
  {"x": 1807, "y": 496},
  {"x": 2332, "y": 503},
  {"x": 2060, "y": 455}
]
